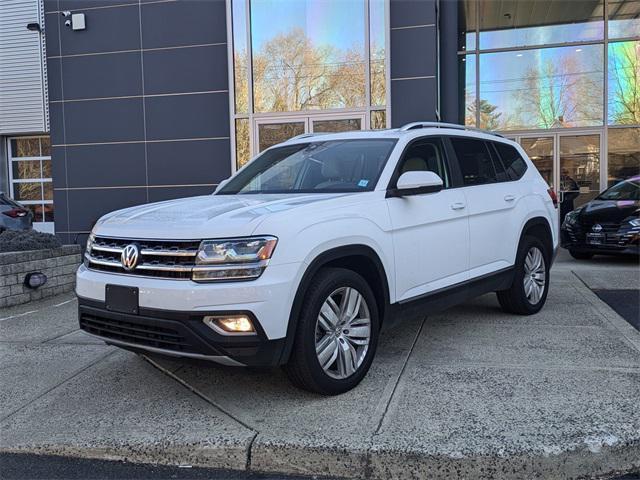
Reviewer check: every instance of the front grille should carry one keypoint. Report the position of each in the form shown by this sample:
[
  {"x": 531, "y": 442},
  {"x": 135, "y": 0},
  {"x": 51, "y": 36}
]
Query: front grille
[
  {"x": 158, "y": 258},
  {"x": 616, "y": 235},
  {"x": 136, "y": 333}
]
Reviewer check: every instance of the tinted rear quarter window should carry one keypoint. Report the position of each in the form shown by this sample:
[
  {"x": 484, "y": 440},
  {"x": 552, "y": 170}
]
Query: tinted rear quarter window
[
  {"x": 475, "y": 161},
  {"x": 513, "y": 163}
]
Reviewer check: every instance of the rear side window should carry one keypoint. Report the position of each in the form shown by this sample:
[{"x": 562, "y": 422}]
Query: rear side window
[
  {"x": 513, "y": 164},
  {"x": 475, "y": 161}
]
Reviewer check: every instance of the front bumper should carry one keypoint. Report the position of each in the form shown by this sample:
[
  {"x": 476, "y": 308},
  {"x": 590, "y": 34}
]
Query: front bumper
[
  {"x": 616, "y": 243},
  {"x": 178, "y": 334}
]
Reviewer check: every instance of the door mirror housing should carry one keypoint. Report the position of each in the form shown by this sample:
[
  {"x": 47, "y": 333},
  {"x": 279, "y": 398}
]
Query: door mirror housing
[{"x": 416, "y": 183}]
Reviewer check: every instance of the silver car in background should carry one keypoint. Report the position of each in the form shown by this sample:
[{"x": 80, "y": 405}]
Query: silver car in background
[{"x": 14, "y": 216}]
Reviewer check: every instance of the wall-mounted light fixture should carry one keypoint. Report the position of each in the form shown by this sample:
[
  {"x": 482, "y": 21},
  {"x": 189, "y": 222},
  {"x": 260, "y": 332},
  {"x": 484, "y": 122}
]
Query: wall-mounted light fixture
[
  {"x": 34, "y": 27},
  {"x": 35, "y": 280}
]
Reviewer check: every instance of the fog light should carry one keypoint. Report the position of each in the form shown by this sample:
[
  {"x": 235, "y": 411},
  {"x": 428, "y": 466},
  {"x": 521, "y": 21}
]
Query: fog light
[
  {"x": 231, "y": 324},
  {"x": 35, "y": 280}
]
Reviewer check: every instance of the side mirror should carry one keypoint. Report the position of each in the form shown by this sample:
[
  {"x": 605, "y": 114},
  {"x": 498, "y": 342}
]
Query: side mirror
[
  {"x": 416, "y": 183},
  {"x": 222, "y": 184}
]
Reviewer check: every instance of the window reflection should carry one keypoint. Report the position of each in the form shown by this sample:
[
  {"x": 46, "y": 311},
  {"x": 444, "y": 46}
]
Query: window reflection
[
  {"x": 467, "y": 79},
  {"x": 540, "y": 151},
  {"x": 624, "y": 83},
  {"x": 243, "y": 145},
  {"x": 624, "y": 154},
  {"x": 540, "y": 22},
  {"x": 542, "y": 88},
  {"x": 378, "y": 119},
  {"x": 307, "y": 54},
  {"x": 624, "y": 18},
  {"x": 240, "y": 55},
  {"x": 377, "y": 42}
]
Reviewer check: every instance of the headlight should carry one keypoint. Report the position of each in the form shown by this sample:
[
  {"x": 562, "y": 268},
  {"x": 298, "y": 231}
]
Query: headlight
[
  {"x": 233, "y": 259},
  {"x": 635, "y": 222},
  {"x": 571, "y": 217}
]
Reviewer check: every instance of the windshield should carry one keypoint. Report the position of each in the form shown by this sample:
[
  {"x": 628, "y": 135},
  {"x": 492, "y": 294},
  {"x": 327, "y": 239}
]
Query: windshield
[
  {"x": 626, "y": 190},
  {"x": 317, "y": 167}
]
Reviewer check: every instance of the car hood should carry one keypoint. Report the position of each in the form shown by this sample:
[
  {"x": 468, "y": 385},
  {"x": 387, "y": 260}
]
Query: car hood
[
  {"x": 208, "y": 216},
  {"x": 608, "y": 211}
]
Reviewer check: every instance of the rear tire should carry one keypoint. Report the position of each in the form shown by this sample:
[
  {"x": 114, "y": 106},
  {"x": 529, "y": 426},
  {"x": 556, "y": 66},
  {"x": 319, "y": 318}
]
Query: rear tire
[
  {"x": 528, "y": 292},
  {"x": 580, "y": 255},
  {"x": 336, "y": 335}
]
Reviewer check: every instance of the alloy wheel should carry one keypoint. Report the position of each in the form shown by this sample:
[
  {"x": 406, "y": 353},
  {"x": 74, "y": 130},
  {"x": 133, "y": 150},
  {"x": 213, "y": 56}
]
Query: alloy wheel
[
  {"x": 343, "y": 332},
  {"x": 534, "y": 275}
]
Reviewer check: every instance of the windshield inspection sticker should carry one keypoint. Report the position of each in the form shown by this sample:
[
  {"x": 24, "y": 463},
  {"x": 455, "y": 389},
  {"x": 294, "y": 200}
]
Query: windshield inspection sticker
[{"x": 363, "y": 183}]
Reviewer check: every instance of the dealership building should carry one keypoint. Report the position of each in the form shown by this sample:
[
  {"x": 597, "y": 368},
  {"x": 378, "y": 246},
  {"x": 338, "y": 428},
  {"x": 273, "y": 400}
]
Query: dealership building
[{"x": 106, "y": 104}]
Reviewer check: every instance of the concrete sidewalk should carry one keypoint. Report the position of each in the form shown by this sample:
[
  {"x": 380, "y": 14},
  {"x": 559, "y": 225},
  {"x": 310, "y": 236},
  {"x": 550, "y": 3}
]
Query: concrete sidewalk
[{"x": 472, "y": 392}]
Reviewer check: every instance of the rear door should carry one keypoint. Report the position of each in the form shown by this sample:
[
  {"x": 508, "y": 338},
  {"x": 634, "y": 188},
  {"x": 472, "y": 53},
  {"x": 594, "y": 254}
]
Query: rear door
[
  {"x": 494, "y": 220},
  {"x": 430, "y": 231}
]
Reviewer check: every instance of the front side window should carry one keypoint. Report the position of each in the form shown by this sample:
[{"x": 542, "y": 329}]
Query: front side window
[
  {"x": 475, "y": 161},
  {"x": 318, "y": 167},
  {"x": 426, "y": 155}
]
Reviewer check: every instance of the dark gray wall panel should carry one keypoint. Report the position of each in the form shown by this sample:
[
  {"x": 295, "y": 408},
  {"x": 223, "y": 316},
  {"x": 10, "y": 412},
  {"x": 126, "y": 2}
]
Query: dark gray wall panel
[
  {"x": 80, "y": 4},
  {"x": 114, "y": 120},
  {"x": 87, "y": 206},
  {"x": 58, "y": 167},
  {"x": 50, "y": 5},
  {"x": 56, "y": 123},
  {"x": 107, "y": 165},
  {"x": 187, "y": 116},
  {"x": 412, "y": 12},
  {"x": 195, "y": 69},
  {"x": 188, "y": 162},
  {"x": 413, "y": 52},
  {"x": 108, "y": 30},
  {"x": 51, "y": 27},
  {"x": 95, "y": 76},
  {"x": 451, "y": 98},
  {"x": 193, "y": 22},
  {"x": 60, "y": 214},
  {"x": 413, "y": 100},
  {"x": 54, "y": 80},
  {"x": 169, "y": 193}
]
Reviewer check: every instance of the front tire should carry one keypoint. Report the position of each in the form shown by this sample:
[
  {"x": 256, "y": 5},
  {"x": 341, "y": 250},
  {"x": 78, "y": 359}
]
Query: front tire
[
  {"x": 528, "y": 292},
  {"x": 337, "y": 333},
  {"x": 580, "y": 255}
]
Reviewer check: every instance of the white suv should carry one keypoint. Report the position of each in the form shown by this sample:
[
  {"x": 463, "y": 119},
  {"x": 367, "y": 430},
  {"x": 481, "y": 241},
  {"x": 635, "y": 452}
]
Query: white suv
[{"x": 303, "y": 255}]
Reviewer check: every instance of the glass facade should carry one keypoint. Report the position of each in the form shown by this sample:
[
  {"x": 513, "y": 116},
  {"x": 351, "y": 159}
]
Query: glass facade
[
  {"x": 302, "y": 58},
  {"x": 561, "y": 77}
]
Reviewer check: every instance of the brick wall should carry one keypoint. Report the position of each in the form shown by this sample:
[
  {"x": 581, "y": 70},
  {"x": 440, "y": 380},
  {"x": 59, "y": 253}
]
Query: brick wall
[{"x": 59, "y": 265}]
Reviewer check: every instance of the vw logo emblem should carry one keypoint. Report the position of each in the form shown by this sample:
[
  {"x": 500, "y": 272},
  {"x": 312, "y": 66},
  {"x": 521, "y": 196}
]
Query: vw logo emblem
[
  {"x": 596, "y": 228},
  {"x": 129, "y": 257}
]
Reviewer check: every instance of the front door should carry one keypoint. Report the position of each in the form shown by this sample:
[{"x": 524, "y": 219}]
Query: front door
[
  {"x": 579, "y": 170},
  {"x": 269, "y": 131},
  {"x": 430, "y": 231}
]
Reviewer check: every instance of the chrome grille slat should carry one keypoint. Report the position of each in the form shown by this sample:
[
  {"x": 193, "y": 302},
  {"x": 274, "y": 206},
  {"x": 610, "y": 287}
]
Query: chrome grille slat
[{"x": 173, "y": 259}]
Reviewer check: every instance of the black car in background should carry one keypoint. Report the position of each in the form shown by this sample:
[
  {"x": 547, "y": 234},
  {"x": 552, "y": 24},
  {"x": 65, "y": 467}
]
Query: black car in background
[
  {"x": 14, "y": 216},
  {"x": 608, "y": 224}
]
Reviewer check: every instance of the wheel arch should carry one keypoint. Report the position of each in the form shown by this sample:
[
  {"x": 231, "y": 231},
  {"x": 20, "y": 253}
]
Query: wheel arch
[
  {"x": 360, "y": 258},
  {"x": 540, "y": 228}
]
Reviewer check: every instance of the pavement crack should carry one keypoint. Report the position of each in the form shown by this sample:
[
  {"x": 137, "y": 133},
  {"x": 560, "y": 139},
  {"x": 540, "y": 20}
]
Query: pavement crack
[
  {"x": 247, "y": 465},
  {"x": 74, "y": 375},
  {"x": 395, "y": 385},
  {"x": 198, "y": 393}
]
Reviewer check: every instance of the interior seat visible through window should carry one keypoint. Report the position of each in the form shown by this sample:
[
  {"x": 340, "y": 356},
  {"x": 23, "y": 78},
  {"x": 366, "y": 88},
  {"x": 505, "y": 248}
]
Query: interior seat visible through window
[{"x": 426, "y": 155}]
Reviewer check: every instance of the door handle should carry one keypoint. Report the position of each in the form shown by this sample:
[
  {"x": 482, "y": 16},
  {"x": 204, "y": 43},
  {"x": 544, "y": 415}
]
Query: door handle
[
  {"x": 457, "y": 206},
  {"x": 509, "y": 198}
]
